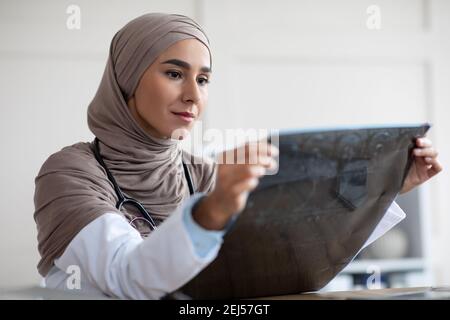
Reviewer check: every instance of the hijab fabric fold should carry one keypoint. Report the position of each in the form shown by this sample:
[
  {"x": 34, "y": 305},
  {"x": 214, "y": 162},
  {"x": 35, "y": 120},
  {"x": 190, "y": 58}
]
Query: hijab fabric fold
[{"x": 72, "y": 189}]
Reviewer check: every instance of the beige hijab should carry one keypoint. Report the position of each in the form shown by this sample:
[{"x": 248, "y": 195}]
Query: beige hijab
[{"x": 72, "y": 188}]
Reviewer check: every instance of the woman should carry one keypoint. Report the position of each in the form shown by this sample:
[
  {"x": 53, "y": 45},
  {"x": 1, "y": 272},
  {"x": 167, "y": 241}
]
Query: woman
[{"x": 155, "y": 86}]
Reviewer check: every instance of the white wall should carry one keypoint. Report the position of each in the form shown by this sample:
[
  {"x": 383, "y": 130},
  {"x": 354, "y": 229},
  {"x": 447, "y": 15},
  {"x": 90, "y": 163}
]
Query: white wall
[
  {"x": 48, "y": 76},
  {"x": 276, "y": 64},
  {"x": 315, "y": 63}
]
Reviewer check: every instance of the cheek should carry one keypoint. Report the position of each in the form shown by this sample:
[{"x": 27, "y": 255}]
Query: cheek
[
  {"x": 156, "y": 97},
  {"x": 166, "y": 93},
  {"x": 204, "y": 102}
]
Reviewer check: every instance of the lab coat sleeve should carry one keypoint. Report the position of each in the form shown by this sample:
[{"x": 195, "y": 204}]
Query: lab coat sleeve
[
  {"x": 112, "y": 256},
  {"x": 203, "y": 240},
  {"x": 393, "y": 216}
]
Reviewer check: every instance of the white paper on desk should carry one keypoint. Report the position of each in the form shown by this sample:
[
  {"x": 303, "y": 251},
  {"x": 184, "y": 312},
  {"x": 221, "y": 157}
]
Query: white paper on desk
[{"x": 394, "y": 215}]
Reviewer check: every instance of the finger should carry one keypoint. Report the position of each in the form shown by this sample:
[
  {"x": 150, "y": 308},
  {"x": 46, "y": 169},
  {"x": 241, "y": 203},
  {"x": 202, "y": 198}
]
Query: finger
[
  {"x": 256, "y": 171},
  {"x": 270, "y": 164},
  {"x": 243, "y": 172},
  {"x": 426, "y": 152},
  {"x": 241, "y": 154},
  {"x": 423, "y": 142},
  {"x": 273, "y": 165},
  {"x": 260, "y": 148},
  {"x": 249, "y": 153},
  {"x": 267, "y": 162},
  {"x": 267, "y": 149},
  {"x": 238, "y": 155},
  {"x": 435, "y": 168},
  {"x": 244, "y": 186}
]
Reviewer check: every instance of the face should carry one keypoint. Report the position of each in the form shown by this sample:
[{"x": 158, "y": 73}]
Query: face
[{"x": 173, "y": 91}]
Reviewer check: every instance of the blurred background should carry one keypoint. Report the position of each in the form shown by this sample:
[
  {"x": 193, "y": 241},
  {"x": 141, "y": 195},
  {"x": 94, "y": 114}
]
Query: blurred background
[{"x": 277, "y": 64}]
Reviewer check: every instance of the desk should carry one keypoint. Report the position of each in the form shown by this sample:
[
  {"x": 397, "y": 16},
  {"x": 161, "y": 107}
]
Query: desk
[
  {"x": 416, "y": 293},
  {"x": 39, "y": 293},
  {"x": 420, "y": 293}
]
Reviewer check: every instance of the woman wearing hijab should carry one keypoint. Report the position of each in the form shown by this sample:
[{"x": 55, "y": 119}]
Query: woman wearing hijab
[{"x": 99, "y": 206}]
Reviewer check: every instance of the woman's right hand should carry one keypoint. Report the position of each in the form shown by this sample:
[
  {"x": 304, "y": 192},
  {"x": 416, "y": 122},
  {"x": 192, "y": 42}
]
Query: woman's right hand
[{"x": 234, "y": 180}]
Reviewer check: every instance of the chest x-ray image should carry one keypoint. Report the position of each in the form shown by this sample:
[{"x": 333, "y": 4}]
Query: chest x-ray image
[{"x": 303, "y": 225}]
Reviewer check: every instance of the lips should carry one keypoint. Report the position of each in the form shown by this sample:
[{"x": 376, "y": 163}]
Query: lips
[{"x": 185, "y": 116}]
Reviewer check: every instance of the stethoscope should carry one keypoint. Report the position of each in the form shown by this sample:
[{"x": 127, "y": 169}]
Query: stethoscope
[{"x": 124, "y": 199}]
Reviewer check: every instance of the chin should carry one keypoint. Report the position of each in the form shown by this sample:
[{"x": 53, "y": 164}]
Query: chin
[{"x": 180, "y": 133}]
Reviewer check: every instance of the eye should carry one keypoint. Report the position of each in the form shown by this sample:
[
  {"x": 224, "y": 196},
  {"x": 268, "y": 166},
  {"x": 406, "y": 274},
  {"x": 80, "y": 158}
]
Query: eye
[
  {"x": 203, "y": 81},
  {"x": 173, "y": 74}
]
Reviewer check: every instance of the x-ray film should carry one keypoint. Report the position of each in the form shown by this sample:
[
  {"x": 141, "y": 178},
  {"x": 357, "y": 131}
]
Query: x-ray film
[{"x": 302, "y": 226}]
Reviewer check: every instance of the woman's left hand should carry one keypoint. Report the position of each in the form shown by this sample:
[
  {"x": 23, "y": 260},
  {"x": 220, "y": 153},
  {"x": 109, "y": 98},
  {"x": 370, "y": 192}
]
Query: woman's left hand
[{"x": 425, "y": 165}]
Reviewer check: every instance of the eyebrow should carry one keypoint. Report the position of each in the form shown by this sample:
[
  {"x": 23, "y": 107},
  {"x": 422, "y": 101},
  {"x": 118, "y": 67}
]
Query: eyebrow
[{"x": 185, "y": 65}]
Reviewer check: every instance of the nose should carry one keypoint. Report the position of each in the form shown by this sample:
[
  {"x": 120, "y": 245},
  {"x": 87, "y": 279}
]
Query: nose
[{"x": 191, "y": 92}]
